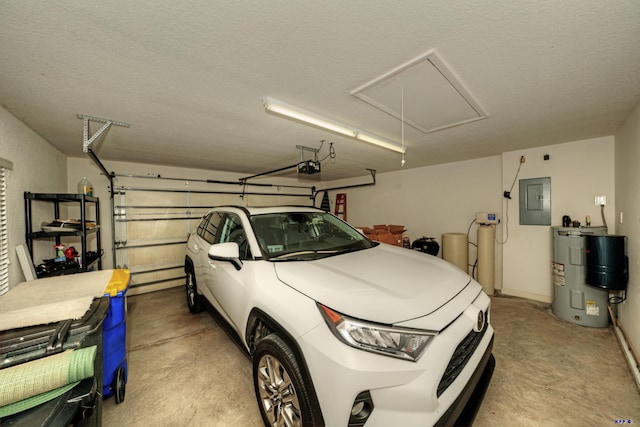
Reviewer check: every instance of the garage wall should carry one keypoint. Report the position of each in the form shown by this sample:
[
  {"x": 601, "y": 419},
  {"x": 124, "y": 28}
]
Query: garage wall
[
  {"x": 627, "y": 177},
  {"x": 430, "y": 201},
  {"x": 37, "y": 167},
  {"x": 444, "y": 198},
  {"x": 155, "y": 212},
  {"x": 579, "y": 171}
]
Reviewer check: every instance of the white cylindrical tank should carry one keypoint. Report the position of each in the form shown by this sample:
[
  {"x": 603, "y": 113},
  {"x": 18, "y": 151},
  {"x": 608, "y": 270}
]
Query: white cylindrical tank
[
  {"x": 486, "y": 258},
  {"x": 455, "y": 250}
]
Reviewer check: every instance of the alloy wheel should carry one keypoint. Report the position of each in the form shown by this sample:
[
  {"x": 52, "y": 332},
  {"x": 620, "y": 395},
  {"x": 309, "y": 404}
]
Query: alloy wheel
[
  {"x": 278, "y": 394},
  {"x": 191, "y": 290}
]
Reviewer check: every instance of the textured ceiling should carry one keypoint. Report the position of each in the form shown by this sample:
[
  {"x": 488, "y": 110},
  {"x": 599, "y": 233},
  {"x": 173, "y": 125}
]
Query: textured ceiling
[{"x": 190, "y": 77}]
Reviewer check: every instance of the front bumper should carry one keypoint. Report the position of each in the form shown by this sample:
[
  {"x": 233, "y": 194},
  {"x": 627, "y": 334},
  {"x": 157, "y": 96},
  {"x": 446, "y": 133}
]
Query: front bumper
[
  {"x": 402, "y": 392},
  {"x": 464, "y": 409}
]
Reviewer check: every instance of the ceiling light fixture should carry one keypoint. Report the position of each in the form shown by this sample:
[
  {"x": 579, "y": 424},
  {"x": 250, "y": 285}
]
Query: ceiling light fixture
[
  {"x": 380, "y": 143},
  {"x": 308, "y": 117}
]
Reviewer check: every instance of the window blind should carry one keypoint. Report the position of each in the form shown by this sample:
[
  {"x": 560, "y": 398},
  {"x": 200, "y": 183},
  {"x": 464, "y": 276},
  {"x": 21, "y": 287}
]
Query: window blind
[{"x": 4, "y": 238}]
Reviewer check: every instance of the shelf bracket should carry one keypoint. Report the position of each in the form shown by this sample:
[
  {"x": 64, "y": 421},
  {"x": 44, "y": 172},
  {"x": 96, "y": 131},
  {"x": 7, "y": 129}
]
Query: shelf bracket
[{"x": 88, "y": 140}]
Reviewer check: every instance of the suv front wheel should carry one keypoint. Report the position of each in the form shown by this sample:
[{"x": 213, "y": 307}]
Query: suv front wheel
[
  {"x": 280, "y": 389},
  {"x": 193, "y": 300}
]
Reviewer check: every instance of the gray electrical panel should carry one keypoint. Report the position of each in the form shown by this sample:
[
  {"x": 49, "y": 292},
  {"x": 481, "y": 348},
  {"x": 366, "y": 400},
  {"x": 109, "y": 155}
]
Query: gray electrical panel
[
  {"x": 535, "y": 201},
  {"x": 573, "y": 299}
]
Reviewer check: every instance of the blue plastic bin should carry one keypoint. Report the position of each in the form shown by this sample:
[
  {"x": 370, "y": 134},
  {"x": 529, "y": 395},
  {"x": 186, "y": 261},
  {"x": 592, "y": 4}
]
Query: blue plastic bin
[{"x": 114, "y": 337}]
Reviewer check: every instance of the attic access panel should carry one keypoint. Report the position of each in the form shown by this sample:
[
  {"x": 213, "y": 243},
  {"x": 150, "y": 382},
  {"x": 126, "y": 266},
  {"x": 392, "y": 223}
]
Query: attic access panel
[{"x": 432, "y": 95}]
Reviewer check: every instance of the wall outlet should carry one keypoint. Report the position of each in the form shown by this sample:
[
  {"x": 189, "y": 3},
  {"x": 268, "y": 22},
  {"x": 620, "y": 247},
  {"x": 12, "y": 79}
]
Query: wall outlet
[{"x": 601, "y": 200}]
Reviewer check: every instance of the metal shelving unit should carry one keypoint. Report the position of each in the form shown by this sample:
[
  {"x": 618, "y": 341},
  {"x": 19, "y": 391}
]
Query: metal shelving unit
[{"x": 56, "y": 200}]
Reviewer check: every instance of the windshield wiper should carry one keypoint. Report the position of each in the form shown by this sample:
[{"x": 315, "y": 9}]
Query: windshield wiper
[{"x": 301, "y": 253}]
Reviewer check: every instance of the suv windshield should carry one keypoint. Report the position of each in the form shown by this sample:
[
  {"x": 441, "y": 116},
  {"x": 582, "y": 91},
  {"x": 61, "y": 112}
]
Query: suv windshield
[{"x": 305, "y": 235}]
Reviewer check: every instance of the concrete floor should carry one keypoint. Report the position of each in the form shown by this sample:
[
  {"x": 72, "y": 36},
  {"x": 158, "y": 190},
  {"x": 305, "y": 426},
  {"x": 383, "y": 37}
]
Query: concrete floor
[{"x": 185, "y": 371}]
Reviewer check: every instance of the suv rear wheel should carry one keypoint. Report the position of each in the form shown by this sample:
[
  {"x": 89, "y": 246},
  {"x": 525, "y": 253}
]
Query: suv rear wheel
[{"x": 280, "y": 389}]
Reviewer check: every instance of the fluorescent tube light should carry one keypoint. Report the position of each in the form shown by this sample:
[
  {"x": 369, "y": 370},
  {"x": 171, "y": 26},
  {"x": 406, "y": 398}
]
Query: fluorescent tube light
[
  {"x": 381, "y": 143},
  {"x": 308, "y": 117}
]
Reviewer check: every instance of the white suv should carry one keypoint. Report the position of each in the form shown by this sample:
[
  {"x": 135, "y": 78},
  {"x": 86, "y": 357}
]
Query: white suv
[{"x": 342, "y": 331}]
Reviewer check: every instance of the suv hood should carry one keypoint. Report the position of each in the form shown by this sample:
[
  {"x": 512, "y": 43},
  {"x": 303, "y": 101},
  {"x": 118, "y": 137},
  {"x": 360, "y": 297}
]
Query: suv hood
[{"x": 383, "y": 284}]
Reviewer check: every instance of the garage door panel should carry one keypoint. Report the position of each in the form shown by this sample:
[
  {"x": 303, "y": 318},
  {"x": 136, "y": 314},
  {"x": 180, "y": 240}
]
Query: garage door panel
[
  {"x": 141, "y": 288},
  {"x": 162, "y": 253},
  {"x": 154, "y": 198},
  {"x": 268, "y": 200},
  {"x": 152, "y": 219},
  {"x": 211, "y": 200},
  {"x": 174, "y": 275},
  {"x": 158, "y": 229}
]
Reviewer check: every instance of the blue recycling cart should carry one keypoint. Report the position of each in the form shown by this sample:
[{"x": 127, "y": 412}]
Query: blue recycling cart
[{"x": 114, "y": 337}]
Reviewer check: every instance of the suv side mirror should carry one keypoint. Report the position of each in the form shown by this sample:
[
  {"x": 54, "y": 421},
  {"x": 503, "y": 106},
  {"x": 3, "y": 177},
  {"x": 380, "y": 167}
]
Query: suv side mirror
[{"x": 229, "y": 251}]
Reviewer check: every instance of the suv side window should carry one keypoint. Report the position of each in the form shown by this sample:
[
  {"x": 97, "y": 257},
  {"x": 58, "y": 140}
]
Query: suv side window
[
  {"x": 232, "y": 231},
  {"x": 208, "y": 228}
]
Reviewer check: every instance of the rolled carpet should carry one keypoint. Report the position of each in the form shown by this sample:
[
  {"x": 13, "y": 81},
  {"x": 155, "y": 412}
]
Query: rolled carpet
[{"x": 37, "y": 380}]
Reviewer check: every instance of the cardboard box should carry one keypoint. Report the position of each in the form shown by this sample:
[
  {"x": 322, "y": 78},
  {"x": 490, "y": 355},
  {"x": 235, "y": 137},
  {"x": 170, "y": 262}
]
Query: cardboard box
[
  {"x": 396, "y": 229},
  {"x": 387, "y": 238},
  {"x": 391, "y": 234},
  {"x": 367, "y": 231}
]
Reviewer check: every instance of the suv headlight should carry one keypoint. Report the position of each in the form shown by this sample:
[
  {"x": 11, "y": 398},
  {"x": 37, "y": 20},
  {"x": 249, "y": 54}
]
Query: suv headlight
[{"x": 402, "y": 343}]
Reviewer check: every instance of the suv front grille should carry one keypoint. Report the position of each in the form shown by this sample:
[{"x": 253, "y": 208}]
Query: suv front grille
[{"x": 460, "y": 357}]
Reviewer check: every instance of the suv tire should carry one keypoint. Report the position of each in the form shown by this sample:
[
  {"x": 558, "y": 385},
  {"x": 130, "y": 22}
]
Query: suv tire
[
  {"x": 282, "y": 394},
  {"x": 193, "y": 299}
]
